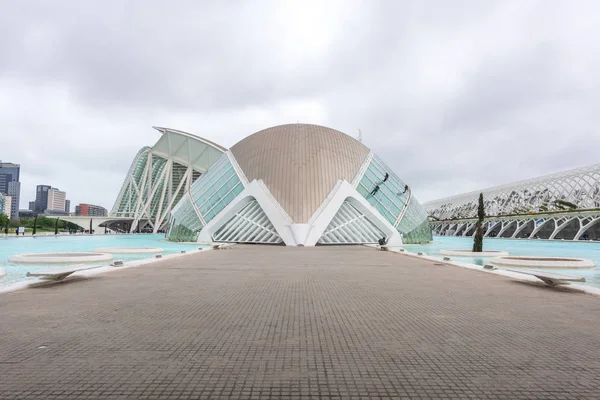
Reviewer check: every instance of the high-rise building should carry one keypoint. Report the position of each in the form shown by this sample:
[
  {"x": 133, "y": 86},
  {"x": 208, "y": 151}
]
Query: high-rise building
[
  {"x": 56, "y": 200},
  {"x": 68, "y": 206},
  {"x": 41, "y": 198},
  {"x": 5, "y": 204},
  {"x": 9, "y": 172},
  {"x": 10, "y": 185},
  {"x": 90, "y": 210},
  {"x": 14, "y": 191},
  {"x": 31, "y": 206}
]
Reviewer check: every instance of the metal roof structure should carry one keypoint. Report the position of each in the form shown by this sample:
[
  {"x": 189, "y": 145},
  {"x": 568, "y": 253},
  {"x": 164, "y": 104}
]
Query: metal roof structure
[{"x": 577, "y": 188}]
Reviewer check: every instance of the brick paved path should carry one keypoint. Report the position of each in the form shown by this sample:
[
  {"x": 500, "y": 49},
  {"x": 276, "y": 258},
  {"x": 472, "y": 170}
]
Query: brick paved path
[{"x": 276, "y": 322}]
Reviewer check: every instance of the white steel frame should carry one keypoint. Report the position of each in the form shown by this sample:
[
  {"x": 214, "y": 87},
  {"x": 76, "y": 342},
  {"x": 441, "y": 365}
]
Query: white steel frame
[{"x": 160, "y": 175}]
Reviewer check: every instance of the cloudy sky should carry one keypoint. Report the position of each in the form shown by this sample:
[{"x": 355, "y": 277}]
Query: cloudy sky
[{"x": 454, "y": 95}]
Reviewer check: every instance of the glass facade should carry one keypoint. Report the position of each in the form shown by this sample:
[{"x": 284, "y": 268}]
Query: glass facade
[
  {"x": 207, "y": 197},
  {"x": 186, "y": 223},
  {"x": 216, "y": 189},
  {"x": 220, "y": 185},
  {"x": 390, "y": 198}
]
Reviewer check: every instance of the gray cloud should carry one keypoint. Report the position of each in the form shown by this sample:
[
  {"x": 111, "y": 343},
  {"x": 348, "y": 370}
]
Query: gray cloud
[{"x": 454, "y": 96}]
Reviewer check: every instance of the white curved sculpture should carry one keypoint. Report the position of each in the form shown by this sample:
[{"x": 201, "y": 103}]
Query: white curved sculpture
[
  {"x": 542, "y": 262},
  {"x": 469, "y": 253},
  {"x": 129, "y": 250},
  {"x": 62, "y": 258}
]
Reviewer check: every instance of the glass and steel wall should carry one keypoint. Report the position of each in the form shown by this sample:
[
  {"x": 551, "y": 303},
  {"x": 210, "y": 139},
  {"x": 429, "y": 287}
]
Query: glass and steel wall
[
  {"x": 393, "y": 199},
  {"x": 569, "y": 190},
  {"x": 207, "y": 197},
  {"x": 389, "y": 199},
  {"x": 185, "y": 222}
]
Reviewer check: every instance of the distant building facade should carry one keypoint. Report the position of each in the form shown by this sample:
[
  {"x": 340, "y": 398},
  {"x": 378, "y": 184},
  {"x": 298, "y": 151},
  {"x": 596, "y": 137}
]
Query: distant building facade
[
  {"x": 27, "y": 213},
  {"x": 68, "y": 206},
  {"x": 41, "y": 198},
  {"x": 14, "y": 191},
  {"x": 31, "y": 206},
  {"x": 90, "y": 210},
  {"x": 56, "y": 200},
  {"x": 10, "y": 185},
  {"x": 5, "y": 204}
]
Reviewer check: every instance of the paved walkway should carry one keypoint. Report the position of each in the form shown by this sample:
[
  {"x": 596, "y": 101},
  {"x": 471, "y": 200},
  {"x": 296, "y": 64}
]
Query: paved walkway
[{"x": 277, "y": 322}]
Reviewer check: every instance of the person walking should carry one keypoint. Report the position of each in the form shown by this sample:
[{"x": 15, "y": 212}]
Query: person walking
[{"x": 375, "y": 190}]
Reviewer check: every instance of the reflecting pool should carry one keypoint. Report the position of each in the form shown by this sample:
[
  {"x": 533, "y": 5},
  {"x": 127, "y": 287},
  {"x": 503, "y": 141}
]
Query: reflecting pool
[
  {"x": 10, "y": 246},
  {"x": 520, "y": 247}
]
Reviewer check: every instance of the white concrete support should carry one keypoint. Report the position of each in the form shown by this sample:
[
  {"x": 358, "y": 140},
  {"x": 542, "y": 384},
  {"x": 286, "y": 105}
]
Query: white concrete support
[
  {"x": 520, "y": 226},
  {"x": 491, "y": 226},
  {"x": 459, "y": 228},
  {"x": 303, "y": 234},
  {"x": 561, "y": 224},
  {"x": 585, "y": 227},
  {"x": 468, "y": 228},
  {"x": 505, "y": 226}
]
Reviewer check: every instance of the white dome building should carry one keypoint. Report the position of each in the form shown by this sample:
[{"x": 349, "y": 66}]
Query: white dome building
[{"x": 299, "y": 184}]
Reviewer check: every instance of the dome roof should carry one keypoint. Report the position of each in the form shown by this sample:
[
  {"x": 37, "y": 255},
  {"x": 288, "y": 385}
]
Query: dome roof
[{"x": 300, "y": 164}]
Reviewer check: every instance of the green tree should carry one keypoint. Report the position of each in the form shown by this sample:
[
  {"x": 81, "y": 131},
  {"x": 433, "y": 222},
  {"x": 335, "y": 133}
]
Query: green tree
[
  {"x": 56, "y": 227},
  {"x": 4, "y": 220},
  {"x": 478, "y": 239},
  {"x": 34, "y": 225},
  {"x": 91, "y": 226}
]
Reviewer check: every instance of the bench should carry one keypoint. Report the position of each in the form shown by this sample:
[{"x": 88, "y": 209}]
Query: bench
[
  {"x": 549, "y": 278},
  {"x": 58, "y": 274}
]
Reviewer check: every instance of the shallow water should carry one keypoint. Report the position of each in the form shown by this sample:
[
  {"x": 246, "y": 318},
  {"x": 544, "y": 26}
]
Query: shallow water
[
  {"x": 10, "y": 246},
  {"x": 520, "y": 247}
]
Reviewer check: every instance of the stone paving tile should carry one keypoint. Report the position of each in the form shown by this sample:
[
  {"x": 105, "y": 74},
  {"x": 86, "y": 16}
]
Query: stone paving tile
[{"x": 255, "y": 322}]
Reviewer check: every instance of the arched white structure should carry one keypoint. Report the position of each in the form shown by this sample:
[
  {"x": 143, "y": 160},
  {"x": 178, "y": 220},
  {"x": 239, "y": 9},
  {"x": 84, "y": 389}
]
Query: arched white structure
[
  {"x": 299, "y": 185},
  {"x": 160, "y": 175},
  {"x": 565, "y": 205},
  {"x": 577, "y": 188},
  {"x": 582, "y": 225}
]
